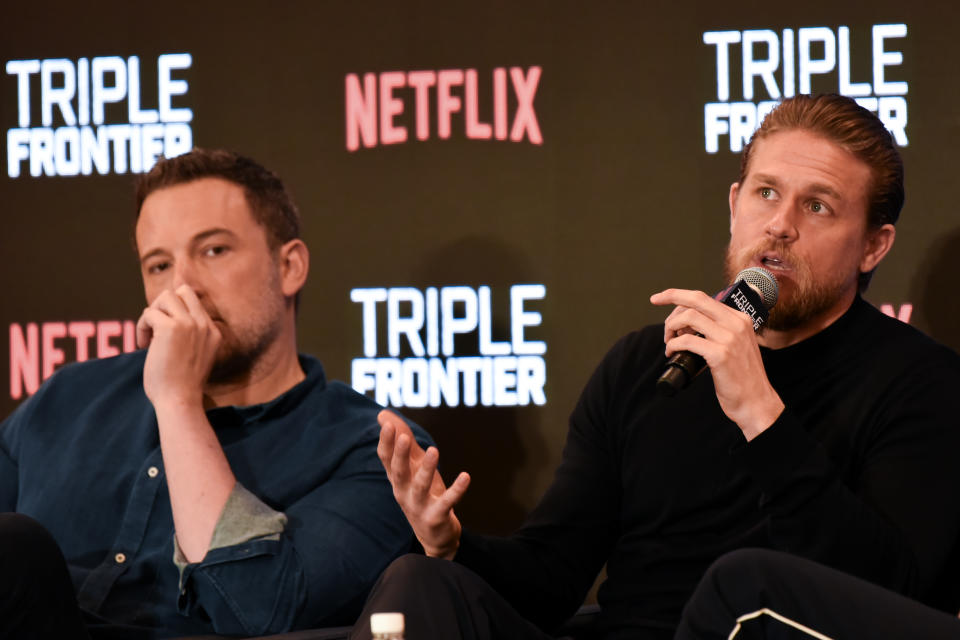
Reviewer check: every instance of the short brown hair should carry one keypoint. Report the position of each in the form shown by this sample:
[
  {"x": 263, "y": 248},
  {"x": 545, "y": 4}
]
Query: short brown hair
[
  {"x": 844, "y": 122},
  {"x": 269, "y": 200}
]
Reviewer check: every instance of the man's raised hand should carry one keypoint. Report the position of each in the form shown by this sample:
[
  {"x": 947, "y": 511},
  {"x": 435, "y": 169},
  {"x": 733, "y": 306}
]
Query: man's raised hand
[
  {"x": 418, "y": 488},
  {"x": 725, "y": 338}
]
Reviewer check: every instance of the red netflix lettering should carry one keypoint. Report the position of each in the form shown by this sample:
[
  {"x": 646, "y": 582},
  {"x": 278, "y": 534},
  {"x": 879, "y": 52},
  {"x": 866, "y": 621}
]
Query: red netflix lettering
[
  {"x": 525, "y": 119},
  {"x": 447, "y": 104},
  {"x": 82, "y": 332},
  {"x": 475, "y": 128},
  {"x": 903, "y": 315},
  {"x": 52, "y": 355},
  {"x": 375, "y": 105},
  {"x": 105, "y": 331},
  {"x": 500, "y": 103},
  {"x": 38, "y": 349},
  {"x": 389, "y": 107},
  {"x": 24, "y": 360},
  {"x": 129, "y": 336},
  {"x": 361, "y": 111},
  {"x": 421, "y": 81}
]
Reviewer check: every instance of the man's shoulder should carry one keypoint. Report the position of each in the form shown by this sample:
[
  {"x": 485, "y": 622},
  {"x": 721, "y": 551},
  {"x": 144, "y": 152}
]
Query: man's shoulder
[
  {"x": 338, "y": 406},
  {"x": 637, "y": 350},
  {"x": 123, "y": 364},
  {"x": 640, "y": 340},
  {"x": 894, "y": 337},
  {"x": 95, "y": 377},
  {"x": 633, "y": 361},
  {"x": 356, "y": 401},
  {"x": 111, "y": 386}
]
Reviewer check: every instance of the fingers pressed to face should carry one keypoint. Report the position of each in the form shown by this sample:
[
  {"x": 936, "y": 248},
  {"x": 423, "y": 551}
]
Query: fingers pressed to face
[
  {"x": 171, "y": 304},
  {"x": 145, "y": 328},
  {"x": 190, "y": 300}
]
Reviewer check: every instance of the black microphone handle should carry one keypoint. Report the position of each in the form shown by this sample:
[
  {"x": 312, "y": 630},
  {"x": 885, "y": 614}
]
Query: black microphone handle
[
  {"x": 682, "y": 367},
  {"x": 753, "y": 292}
]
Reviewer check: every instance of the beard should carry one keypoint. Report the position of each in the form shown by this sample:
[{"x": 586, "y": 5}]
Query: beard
[
  {"x": 238, "y": 356},
  {"x": 801, "y": 298},
  {"x": 242, "y": 346}
]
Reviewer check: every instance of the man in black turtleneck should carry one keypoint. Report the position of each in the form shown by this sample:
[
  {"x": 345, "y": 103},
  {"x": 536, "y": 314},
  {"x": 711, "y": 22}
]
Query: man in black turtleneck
[{"x": 833, "y": 435}]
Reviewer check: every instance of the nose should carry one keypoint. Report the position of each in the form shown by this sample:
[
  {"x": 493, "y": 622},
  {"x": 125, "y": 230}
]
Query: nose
[
  {"x": 782, "y": 225},
  {"x": 184, "y": 272}
]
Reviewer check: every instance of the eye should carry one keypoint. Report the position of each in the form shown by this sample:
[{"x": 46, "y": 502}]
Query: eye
[
  {"x": 157, "y": 267},
  {"x": 766, "y": 193},
  {"x": 215, "y": 250},
  {"x": 818, "y": 207}
]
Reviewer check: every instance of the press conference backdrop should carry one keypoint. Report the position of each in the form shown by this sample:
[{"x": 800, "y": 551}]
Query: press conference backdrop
[{"x": 490, "y": 192}]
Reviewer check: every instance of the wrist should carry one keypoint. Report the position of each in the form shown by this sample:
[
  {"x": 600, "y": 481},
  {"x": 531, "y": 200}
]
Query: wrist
[
  {"x": 447, "y": 552},
  {"x": 176, "y": 406},
  {"x": 762, "y": 416},
  {"x": 448, "y": 549}
]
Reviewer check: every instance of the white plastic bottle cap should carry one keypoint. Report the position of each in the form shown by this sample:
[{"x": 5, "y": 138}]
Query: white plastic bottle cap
[{"x": 386, "y": 623}]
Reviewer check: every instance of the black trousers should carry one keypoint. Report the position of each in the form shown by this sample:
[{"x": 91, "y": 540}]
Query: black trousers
[
  {"x": 36, "y": 596},
  {"x": 443, "y": 600},
  {"x": 757, "y": 593}
]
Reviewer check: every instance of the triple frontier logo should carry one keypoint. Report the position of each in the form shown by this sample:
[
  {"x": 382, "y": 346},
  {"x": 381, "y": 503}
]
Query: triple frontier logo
[
  {"x": 78, "y": 116},
  {"x": 389, "y": 107},
  {"x": 448, "y": 346},
  {"x": 866, "y": 65}
]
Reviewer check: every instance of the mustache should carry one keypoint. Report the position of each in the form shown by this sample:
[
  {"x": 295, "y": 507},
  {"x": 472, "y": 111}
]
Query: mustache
[
  {"x": 769, "y": 246},
  {"x": 782, "y": 249}
]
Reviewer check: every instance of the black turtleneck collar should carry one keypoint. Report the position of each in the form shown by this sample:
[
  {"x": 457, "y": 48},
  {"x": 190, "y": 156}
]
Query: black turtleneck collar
[{"x": 827, "y": 345}]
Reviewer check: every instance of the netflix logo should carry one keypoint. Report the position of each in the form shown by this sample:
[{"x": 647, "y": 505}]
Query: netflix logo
[
  {"x": 382, "y": 108},
  {"x": 37, "y": 349}
]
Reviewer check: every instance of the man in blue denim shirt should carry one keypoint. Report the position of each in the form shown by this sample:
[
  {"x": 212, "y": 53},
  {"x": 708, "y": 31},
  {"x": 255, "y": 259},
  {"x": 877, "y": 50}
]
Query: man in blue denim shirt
[{"x": 215, "y": 482}]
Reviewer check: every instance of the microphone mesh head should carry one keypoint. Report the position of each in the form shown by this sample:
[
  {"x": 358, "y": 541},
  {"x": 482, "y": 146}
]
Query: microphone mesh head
[{"x": 764, "y": 283}]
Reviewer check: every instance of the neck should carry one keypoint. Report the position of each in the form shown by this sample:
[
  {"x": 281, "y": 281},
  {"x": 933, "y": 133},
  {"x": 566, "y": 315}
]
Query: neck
[
  {"x": 276, "y": 371},
  {"x": 774, "y": 339}
]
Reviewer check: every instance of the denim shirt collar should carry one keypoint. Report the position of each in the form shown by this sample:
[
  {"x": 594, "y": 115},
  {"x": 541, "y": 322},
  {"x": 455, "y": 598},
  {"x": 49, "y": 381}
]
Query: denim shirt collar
[{"x": 236, "y": 416}]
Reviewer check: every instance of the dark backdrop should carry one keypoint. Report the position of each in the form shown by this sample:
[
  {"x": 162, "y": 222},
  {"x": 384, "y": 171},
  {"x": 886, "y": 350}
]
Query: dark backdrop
[{"x": 617, "y": 197}]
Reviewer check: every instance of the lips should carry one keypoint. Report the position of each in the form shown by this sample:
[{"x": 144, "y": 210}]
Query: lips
[{"x": 773, "y": 262}]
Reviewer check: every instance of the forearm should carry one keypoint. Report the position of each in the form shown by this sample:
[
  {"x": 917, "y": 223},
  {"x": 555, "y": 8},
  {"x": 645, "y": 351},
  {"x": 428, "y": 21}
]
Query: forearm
[
  {"x": 253, "y": 588},
  {"x": 247, "y": 549},
  {"x": 199, "y": 477}
]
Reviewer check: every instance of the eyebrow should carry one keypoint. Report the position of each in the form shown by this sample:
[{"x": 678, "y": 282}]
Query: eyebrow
[
  {"x": 816, "y": 187},
  {"x": 195, "y": 240}
]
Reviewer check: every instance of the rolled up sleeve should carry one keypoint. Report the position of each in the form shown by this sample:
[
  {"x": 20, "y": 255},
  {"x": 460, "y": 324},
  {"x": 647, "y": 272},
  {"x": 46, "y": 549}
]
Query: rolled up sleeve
[
  {"x": 268, "y": 572},
  {"x": 248, "y": 531}
]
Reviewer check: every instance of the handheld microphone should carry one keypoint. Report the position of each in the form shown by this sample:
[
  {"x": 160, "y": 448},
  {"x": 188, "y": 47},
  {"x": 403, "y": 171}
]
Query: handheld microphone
[{"x": 754, "y": 292}]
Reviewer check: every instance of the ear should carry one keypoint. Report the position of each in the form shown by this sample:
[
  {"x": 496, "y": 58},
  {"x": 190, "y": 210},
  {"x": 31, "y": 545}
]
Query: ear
[
  {"x": 294, "y": 260},
  {"x": 734, "y": 192},
  {"x": 879, "y": 242}
]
